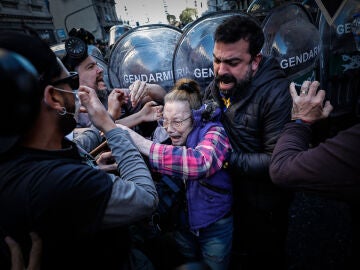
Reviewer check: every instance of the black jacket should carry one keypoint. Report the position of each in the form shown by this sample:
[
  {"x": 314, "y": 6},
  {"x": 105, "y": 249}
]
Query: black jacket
[{"x": 253, "y": 123}]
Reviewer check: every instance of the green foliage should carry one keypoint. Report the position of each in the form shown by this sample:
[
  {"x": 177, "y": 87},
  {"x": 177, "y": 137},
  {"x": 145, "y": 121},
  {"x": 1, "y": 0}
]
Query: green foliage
[
  {"x": 188, "y": 15},
  {"x": 171, "y": 19}
]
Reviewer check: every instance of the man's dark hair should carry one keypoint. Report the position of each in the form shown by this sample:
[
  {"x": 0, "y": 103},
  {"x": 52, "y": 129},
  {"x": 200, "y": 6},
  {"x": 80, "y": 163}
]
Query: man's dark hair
[{"x": 239, "y": 27}]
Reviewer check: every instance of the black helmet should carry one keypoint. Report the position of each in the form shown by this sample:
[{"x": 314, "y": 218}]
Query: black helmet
[
  {"x": 20, "y": 97},
  {"x": 76, "y": 52},
  {"x": 76, "y": 47}
]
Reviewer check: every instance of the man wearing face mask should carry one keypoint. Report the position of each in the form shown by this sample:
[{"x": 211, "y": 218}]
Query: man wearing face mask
[
  {"x": 81, "y": 213},
  {"x": 253, "y": 93}
]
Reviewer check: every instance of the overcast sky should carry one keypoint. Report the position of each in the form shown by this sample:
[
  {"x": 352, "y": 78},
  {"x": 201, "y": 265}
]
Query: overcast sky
[{"x": 151, "y": 11}]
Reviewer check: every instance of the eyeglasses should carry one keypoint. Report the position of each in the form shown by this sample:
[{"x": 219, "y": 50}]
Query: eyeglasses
[
  {"x": 175, "y": 124},
  {"x": 72, "y": 80}
]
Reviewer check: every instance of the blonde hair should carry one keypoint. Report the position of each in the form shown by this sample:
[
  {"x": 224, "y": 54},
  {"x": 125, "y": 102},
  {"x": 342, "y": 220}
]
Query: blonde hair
[{"x": 186, "y": 90}]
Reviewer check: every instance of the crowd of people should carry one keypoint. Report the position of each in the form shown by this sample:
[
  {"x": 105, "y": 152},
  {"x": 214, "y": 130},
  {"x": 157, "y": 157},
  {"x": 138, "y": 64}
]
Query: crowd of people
[{"x": 85, "y": 172}]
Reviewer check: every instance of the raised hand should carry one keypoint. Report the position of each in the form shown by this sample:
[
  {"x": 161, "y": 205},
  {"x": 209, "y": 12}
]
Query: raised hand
[
  {"x": 151, "y": 112},
  {"x": 138, "y": 90},
  {"x": 96, "y": 110},
  {"x": 106, "y": 162},
  {"x": 309, "y": 104},
  {"x": 116, "y": 99}
]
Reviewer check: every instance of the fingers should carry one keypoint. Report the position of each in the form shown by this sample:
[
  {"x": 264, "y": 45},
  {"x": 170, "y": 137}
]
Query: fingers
[
  {"x": 85, "y": 94},
  {"x": 292, "y": 89},
  {"x": 312, "y": 88},
  {"x": 85, "y": 89},
  {"x": 320, "y": 97},
  {"x": 151, "y": 103},
  {"x": 35, "y": 253},
  {"x": 98, "y": 115},
  {"x": 307, "y": 89},
  {"x": 105, "y": 158},
  {"x": 17, "y": 261},
  {"x": 308, "y": 105},
  {"x": 158, "y": 112},
  {"x": 106, "y": 162},
  {"x": 138, "y": 91},
  {"x": 304, "y": 88},
  {"x": 116, "y": 94},
  {"x": 141, "y": 91},
  {"x": 133, "y": 89},
  {"x": 327, "y": 109}
]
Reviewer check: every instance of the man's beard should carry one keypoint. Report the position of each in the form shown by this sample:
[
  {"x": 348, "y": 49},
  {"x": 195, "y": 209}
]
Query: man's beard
[
  {"x": 239, "y": 85},
  {"x": 67, "y": 122}
]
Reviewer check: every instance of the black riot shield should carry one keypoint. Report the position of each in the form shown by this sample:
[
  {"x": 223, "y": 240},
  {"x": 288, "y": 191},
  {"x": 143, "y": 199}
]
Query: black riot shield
[
  {"x": 292, "y": 38},
  {"x": 144, "y": 53},
  {"x": 261, "y": 8},
  {"x": 193, "y": 56},
  {"x": 340, "y": 63}
]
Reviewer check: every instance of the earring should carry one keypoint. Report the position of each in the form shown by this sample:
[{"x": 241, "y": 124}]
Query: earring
[{"x": 62, "y": 112}]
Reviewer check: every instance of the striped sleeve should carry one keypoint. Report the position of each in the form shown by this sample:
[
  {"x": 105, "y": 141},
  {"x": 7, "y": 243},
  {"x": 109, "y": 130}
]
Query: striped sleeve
[{"x": 192, "y": 163}]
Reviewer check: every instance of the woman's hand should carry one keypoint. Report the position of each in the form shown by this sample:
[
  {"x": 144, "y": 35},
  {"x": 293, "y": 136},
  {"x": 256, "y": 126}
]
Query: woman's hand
[{"x": 151, "y": 112}]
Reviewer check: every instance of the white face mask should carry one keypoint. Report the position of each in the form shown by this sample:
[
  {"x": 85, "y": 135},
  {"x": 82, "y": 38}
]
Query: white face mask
[
  {"x": 77, "y": 103},
  {"x": 77, "y": 108}
]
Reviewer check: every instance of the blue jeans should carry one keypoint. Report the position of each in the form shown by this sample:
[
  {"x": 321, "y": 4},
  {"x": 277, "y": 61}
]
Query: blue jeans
[{"x": 212, "y": 244}]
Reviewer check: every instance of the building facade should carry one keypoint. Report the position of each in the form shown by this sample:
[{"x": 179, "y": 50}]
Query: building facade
[
  {"x": 53, "y": 19},
  {"x": 216, "y": 5},
  {"x": 20, "y": 14},
  {"x": 95, "y": 16}
]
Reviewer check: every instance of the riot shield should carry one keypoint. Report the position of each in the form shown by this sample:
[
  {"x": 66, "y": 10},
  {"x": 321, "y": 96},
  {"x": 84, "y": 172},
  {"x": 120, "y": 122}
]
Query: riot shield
[
  {"x": 193, "y": 56},
  {"x": 261, "y": 8},
  {"x": 340, "y": 62},
  {"x": 144, "y": 53},
  {"x": 292, "y": 38}
]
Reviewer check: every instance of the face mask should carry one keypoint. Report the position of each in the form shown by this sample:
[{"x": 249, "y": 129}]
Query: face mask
[
  {"x": 68, "y": 120},
  {"x": 76, "y": 112}
]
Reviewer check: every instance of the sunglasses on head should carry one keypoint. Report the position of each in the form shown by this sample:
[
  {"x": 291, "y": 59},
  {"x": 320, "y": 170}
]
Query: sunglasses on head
[{"x": 72, "y": 80}]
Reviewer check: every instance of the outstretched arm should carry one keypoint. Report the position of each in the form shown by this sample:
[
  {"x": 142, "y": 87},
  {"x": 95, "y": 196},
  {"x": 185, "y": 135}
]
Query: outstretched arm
[
  {"x": 331, "y": 167},
  {"x": 150, "y": 112}
]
